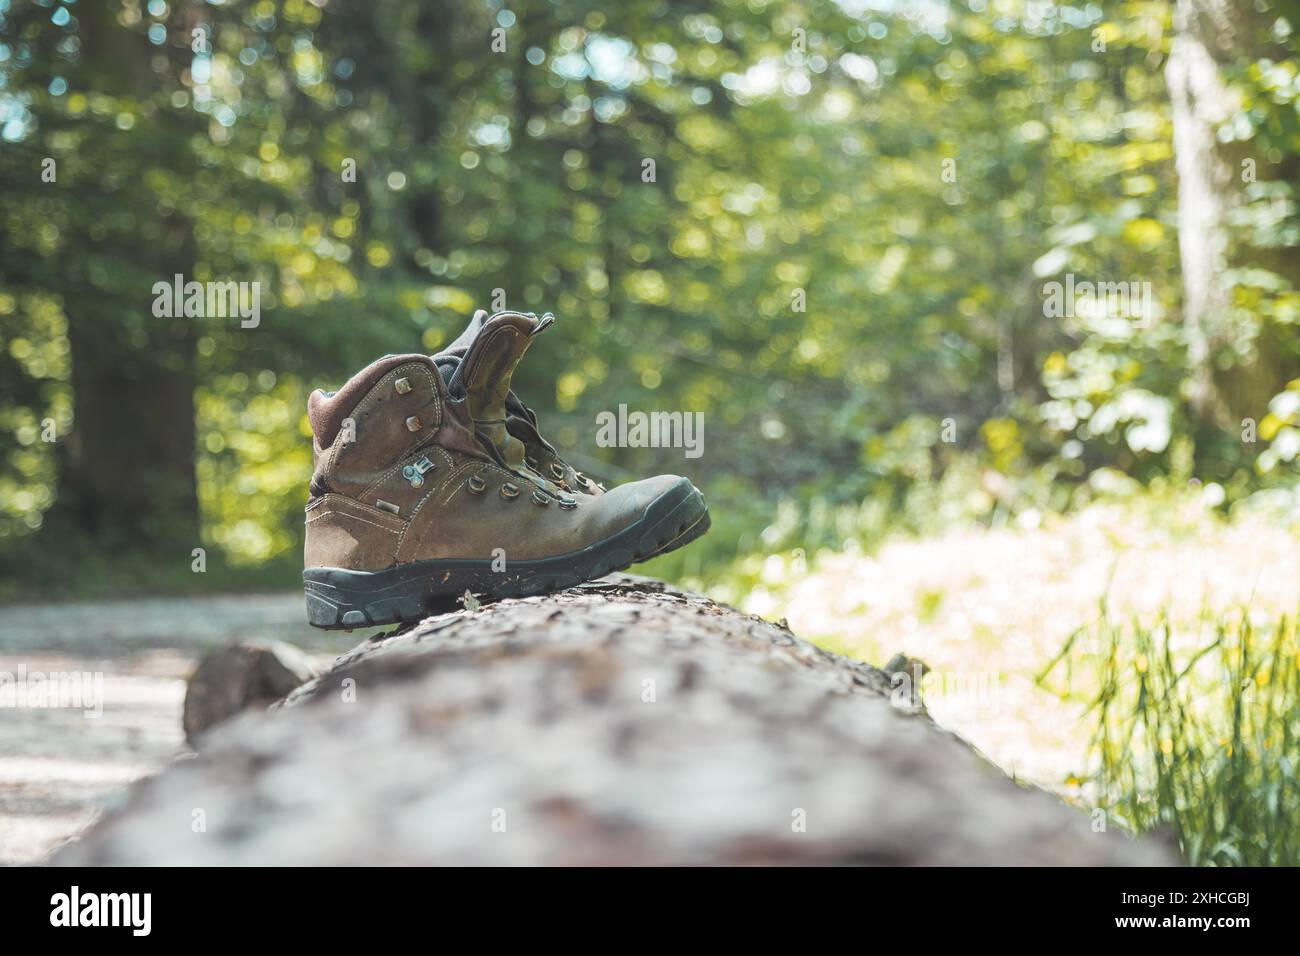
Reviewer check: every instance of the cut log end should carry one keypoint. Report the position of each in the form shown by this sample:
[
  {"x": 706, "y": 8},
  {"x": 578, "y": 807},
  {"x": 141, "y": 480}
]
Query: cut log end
[{"x": 251, "y": 675}]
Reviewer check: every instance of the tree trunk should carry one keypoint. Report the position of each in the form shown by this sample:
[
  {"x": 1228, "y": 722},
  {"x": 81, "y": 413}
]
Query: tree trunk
[
  {"x": 128, "y": 474},
  {"x": 619, "y": 722},
  {"x": 1200, "y": 102},
  {"x": 129, "y": 471},
  {"x": 1209, "y": 37}
]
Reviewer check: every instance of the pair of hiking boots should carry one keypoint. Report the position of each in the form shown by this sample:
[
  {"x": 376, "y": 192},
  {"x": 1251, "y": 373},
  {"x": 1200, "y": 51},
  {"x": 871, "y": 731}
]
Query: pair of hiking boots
[{"x": 432, "y": 479}]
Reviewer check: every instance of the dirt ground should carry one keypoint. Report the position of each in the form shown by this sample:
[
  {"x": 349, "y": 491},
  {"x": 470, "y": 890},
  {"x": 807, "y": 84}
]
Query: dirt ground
[{"x": 65, "y": 756}]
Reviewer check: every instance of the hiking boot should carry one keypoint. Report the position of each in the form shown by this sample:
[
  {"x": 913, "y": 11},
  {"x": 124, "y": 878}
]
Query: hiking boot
[
  {"x": 540, "y": 456},
  {"x": 420, "y": 494}
]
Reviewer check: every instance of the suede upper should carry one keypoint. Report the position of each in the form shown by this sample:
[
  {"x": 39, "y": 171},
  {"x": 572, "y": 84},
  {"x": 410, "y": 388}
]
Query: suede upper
[{"x": 409, "y": 467}]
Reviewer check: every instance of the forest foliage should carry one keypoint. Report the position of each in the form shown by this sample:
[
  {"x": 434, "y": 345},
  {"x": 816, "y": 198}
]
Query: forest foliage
[{"x": 831, "y": 227}]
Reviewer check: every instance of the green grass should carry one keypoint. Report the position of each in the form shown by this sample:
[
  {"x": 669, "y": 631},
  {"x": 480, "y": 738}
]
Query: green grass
[{"x": 1195, "y": 730}]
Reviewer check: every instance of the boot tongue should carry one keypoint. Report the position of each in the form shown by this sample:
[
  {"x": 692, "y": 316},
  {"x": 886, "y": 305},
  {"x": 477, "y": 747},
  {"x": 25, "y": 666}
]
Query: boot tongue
[
  {"x": 466, "y": 338},
  {"x": 493, "y": 348}
]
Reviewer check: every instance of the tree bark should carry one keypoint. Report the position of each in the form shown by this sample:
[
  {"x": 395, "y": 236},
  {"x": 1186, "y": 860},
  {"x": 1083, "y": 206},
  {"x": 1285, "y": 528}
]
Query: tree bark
[
  {"x": 619, "y": 722},
  {"x": 1200, "y": 102},
  {"x": 1209, "y": 37}
]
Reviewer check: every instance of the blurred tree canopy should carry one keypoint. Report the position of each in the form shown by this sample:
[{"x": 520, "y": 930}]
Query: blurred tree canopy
[{"x": 829, "y": 226}]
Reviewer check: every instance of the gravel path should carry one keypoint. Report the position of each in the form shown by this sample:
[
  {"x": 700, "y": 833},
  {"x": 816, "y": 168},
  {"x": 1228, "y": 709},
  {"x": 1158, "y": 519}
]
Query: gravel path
[{"x": 70, "y": 746}]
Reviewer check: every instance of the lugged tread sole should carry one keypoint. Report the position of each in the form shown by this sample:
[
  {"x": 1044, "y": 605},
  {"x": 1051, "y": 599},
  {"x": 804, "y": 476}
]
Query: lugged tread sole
[{"x": 341, "y": 599}]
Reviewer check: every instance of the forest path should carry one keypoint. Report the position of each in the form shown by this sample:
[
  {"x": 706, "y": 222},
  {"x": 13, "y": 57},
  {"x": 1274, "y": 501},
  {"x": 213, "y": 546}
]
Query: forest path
[{"x": 69, "y": 747}]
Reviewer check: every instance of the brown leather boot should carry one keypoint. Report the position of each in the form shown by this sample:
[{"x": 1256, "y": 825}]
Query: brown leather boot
[{"x": 420, "y": 494}]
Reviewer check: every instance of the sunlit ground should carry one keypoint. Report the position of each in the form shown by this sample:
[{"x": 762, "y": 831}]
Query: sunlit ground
[{"x": 988, "y": 610}]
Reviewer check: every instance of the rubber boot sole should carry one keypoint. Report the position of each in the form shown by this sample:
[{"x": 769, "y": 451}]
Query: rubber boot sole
[{"x": 338, "y": 598}]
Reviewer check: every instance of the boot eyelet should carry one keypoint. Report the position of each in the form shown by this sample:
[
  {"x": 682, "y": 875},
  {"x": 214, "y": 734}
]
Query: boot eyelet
[
  {"x": 415, "y": 473},
  {"x": 402, "y": 386},
  {"x": 557, "y": 471},
  {"x": 568, "y": 504},
  {"x": 475, "y": 484},
  {"x": 540, "y": 499},
  {"x": 509, "y": 490},
  {"x": 413, "y": 424}
]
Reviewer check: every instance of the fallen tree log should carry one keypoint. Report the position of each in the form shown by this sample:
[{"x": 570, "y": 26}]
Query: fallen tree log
[{"x": 619, "y": 722}]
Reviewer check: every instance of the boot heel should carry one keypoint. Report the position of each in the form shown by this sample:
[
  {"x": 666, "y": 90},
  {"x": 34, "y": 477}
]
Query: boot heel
[{"x": 335, "y": 601}]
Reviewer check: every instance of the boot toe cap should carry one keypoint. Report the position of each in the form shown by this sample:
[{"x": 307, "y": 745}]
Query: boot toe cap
[{"x": 637, "y": 496}]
